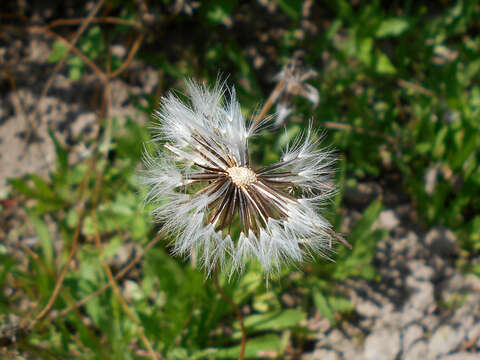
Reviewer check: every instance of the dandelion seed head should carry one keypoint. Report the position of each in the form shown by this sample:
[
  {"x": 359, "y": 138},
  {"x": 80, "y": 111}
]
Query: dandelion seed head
[
  {"x": 220, "y": 208},
  {"x": 241, "y": 176}
]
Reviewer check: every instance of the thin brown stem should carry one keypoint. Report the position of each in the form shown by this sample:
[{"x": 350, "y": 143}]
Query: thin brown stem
[
  {"x": 130, "y": 56},
  {"x": 237, "y": 311},
  {"x": 72, "y": 43},
  {"x": 45, "y": 31},
  {"x": 100, "y": 20},
  {"x": 348, "y": 127},
  {"x": 415, "y": 87},
  {"x": 58, "y": 286},
  {"x": 269, "y": 103},
  {"x": 117, "y": 276},
  {"x": 117, "y": 292},
  {"x": 17, "y": 101}
]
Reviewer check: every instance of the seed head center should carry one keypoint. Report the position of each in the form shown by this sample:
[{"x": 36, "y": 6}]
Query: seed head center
[{"x": 242, "y": 176}]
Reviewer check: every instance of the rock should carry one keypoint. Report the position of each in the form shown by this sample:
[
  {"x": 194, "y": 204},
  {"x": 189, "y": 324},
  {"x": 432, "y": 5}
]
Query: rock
[
  {"x": 118, "y": 50},
  {"x": 463, "y": 318},
  {"x": 418, "y": 351},
  {"x": 422, "y": 294},
  {"x": 322, "y": 354},
  {"x": 387, "y": 220},
  {"x": 461, "y": 356},
  {"x": 382, "y": 344},
  {"x": 83, "y": 123},
  {"x": 441, "y": 241},
  {"x": 391, "y": 320},
  {"x": 336, "y": 339},
  {"x": 473, "y": 281},
  {"x": 431, "y": 179},
  {"x": 408, "y": 245},
  {"x": 39, "y": 51},
  {"x": 411, "y": 315},
  {"x": 342, "y": 344},
  {"x": 362, "y": 193},
  {"x": 474, "y": 333},
  {"x": 421, "y": 297},
  {"x": 411, "y": 334},
  {"x": 352, "y": 352},
  {"x": 149, "y": 79},
  {"x": 420, "y": 270},
  {"x": 320, "y": 325},
  {"x": 132, "y": 291},
  {"x": 368, "y": 309},
  {"x": 445, "y": 340},
  {"x": 430, "y": 323}
]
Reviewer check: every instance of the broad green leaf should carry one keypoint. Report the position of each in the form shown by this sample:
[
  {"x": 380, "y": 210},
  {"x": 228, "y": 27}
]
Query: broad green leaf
[{"x": 392, "y": 27}]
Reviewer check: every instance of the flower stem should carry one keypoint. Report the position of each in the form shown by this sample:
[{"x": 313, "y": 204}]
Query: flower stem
[
  {"x": 237, "y": 311},
  {"x": 272, "y": 98}
]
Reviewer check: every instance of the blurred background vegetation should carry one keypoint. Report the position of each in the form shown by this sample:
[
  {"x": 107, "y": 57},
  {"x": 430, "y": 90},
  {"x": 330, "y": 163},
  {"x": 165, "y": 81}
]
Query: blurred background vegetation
[{"x": 399, "y": 98}]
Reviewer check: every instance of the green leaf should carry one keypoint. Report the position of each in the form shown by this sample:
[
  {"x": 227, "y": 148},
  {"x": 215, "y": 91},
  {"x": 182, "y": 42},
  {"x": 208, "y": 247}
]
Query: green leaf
[
  {"x": 274, "y": 321},
  {"x": 357, "y": 262},
  {"x": 21, "y": 186},
  {"x": 439, "y": 145},
  {"x": 256, "y": 348},
  {"x": 219, "y": 12},
  {"x": 364, "y": 52},
  {"x": 384, "y": 65},
  {"x": 340, "y": 304},
  {"x": 139, "y": 227},
  {"x": 470, "y": 144},
  {"x": 43, "y": 187},
  {"x": 60, "y": 151},
  {"x": 321, "y": 304},
  {"x": 363, "y": 226},
  {"x": 293, "y": 8},
  {"x": 75, "y": 73},
  {"x": 58, "y": 51},
  {"x": 40, "y": 191},
  {"x": 46, "y": 241},
  {"x": 392, "y": 27},
  {"x": 334, "y": 28},
  {"x": 6, "y": 264}
]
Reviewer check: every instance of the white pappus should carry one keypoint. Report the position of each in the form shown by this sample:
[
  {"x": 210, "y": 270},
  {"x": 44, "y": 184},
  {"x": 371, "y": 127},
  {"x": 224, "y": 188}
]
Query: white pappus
[{"x": 220, "y": 208}]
